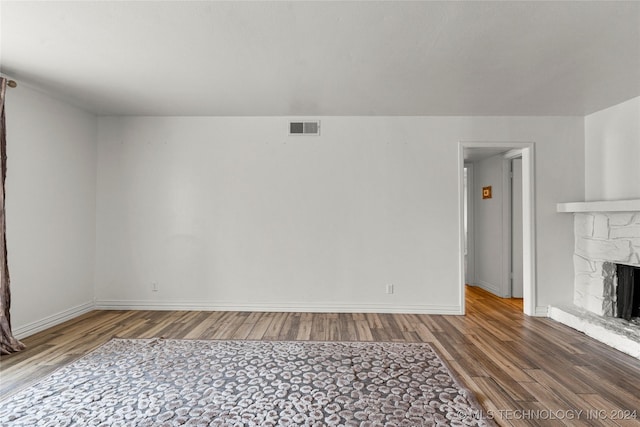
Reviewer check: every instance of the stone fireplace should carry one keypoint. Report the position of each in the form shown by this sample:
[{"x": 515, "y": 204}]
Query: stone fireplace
[
  {"x": 607, "y": 235},
  {"x": 603, "y": 240}
]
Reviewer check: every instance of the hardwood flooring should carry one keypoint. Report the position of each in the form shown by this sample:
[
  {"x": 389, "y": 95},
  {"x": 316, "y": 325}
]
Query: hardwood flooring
[{"x": 524, "y": 371}]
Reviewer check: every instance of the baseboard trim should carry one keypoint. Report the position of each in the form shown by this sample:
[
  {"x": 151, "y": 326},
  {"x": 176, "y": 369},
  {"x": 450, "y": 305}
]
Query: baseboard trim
[
  {"x": 29, "y": 329},
  {"x": 275, "y": 307},
  {"x": 489, "y": 287},
  {"x": 542, "y": 311}
]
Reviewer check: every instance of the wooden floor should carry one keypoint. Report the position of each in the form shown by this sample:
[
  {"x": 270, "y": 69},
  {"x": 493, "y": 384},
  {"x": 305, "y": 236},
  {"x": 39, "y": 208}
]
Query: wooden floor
[{"x": 518, "y": 367}]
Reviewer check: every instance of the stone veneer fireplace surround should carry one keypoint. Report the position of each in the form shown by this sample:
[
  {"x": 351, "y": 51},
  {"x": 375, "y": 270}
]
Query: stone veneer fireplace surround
[{"x": 606, "y": 233}]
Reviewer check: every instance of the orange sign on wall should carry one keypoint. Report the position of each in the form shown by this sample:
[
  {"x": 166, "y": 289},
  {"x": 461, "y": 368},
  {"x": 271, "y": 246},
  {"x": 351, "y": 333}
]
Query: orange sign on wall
[{"x": 486, "y": 192}]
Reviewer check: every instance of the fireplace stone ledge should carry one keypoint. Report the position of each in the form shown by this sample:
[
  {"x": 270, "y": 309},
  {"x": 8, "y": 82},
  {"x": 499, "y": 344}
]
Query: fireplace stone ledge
[{"x": 617, "y": 333}]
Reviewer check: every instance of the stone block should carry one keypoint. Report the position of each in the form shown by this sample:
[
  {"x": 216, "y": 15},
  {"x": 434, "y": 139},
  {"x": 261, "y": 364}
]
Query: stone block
[
  {"x": 583, "y": 225},
  {"x": 608, "y": 287},
  {"x": 601, "y": 226},
  {"x": 581, "y": 282},
  {"x": 584, "y": 289},
  {"x": 607, "y": 308},
  {"x": 583, "y": 265},
  {"x": 604, "y": 250},
  {"x": 589, "y": 285},
  {"x": 578, "y": 299},
  {"x": 620, "y": 218},
  {"x": 625, "y": 232},
  {"x": 594, "y": 286},
  {"x": 594, "y": 305},
  {"x": 599, "y": 265},
  {"x": 608, "y": 270},
  {"x": 635, "y": 256}
]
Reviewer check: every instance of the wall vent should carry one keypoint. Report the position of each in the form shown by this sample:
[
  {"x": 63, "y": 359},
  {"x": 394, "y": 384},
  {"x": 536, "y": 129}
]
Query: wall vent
[{"x": 304, "y": 128}]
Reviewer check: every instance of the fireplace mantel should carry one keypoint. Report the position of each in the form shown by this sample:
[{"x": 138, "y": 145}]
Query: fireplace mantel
[{"x": 600, "y": 206}]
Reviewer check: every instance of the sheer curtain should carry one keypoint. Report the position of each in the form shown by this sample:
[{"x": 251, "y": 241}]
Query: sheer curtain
[{"x": 8, "y": 343}]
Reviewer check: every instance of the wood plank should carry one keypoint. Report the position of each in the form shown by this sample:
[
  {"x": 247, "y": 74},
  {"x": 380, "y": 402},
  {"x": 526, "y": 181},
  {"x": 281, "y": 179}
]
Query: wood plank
[
  {"x": 363, "y": 332},
  {"x": 261, "y": 326},
  {"x": 273, "y": 330},
  {"x": 605, "y": 410}
]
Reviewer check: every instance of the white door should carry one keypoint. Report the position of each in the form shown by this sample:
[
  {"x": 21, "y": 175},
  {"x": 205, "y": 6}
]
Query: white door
[
  {"x": 466, "y": 226},
  {"x": 516, "y": 229},
  {"x": 469, "y": 262}
]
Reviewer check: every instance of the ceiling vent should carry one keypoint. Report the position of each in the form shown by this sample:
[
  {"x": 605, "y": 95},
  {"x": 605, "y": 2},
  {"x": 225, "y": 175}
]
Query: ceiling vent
[{"x": 304, "y": 128}]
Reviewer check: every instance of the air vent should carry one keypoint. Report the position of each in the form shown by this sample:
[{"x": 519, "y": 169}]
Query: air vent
[{"x": 304, "y": 128}]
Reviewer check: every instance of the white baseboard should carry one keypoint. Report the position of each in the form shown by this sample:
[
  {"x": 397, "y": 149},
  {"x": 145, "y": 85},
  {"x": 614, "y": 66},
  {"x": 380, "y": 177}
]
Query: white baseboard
[
  {"x": 275, "y": 307},
  {"x": 489, "y": 287},
  {"x": 29, "y": 329},
  {"x": 542, "y": 311}
]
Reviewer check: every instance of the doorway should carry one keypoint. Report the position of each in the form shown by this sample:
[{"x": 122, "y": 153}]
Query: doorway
[
  {"x": 520, "y": 281},
  {"x": 515, "y": 176}
]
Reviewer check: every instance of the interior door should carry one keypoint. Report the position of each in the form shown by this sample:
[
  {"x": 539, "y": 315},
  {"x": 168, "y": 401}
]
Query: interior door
[{"x": 516, "y": 229}]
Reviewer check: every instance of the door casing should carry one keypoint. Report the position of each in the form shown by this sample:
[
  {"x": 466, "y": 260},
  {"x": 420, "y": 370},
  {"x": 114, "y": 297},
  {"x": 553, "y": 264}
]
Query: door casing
[{"x": 513, "y": 150}]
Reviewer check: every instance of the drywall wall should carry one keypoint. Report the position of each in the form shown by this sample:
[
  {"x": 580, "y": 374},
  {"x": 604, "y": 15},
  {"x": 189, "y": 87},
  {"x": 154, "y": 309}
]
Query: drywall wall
[
  {"x": 488, "y": 217},
  {"x": 234, "y": 213},
  {"x": 612, "y": 152},
  {"x": 50, "y": 205}
]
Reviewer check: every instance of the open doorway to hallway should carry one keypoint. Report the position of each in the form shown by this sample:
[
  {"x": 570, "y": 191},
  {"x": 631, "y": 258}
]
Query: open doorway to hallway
[{"x": 497, "y": 227}]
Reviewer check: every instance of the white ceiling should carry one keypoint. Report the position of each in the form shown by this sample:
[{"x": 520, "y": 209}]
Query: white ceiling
[{"x": 327, "y": 57}]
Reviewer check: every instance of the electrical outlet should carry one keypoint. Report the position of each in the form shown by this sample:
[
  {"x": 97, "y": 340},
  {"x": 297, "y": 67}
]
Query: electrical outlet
[
  {"x": 390, "y": 288},
  {"x": 154, "y": 286}
]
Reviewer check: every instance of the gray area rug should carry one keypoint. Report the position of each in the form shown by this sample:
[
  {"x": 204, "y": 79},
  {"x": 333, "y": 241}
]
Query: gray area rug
[{"x": 158, "y": 382}]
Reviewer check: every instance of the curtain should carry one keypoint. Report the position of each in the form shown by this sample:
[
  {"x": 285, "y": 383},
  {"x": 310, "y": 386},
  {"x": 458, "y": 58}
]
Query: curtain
[{"x": 8, "y": 344}]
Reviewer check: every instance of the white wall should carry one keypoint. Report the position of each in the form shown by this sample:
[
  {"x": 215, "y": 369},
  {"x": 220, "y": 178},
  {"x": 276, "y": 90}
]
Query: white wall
[
  {"x": 50, "y": 205},
  {"x": 612, "y": 152},
  {"x": 488, "y": 219},
  {"x": 233, "y": 213}
]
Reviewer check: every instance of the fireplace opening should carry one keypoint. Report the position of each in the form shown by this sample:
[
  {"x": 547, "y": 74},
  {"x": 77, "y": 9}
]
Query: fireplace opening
[{"x": 628, "y": 291}]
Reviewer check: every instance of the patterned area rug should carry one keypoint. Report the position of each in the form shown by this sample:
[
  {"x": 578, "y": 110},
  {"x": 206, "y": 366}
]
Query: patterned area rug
[{"x": 159, "y": 382}]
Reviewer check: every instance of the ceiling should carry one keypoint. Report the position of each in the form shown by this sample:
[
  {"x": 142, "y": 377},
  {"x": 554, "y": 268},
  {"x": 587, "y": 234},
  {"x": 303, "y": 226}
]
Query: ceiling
[{"x": 267, "y": 58}]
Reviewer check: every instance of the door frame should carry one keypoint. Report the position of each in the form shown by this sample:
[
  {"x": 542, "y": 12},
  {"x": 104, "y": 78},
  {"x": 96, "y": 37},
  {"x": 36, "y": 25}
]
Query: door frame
[
  {"x": 512, "y": 178},
  {"x": 471, "y": 261},
  {"x": 507, "y": 223},
  {"x": 514, "y": 149}
]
